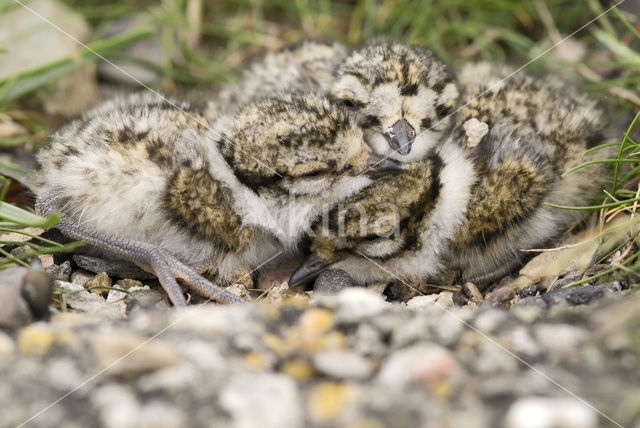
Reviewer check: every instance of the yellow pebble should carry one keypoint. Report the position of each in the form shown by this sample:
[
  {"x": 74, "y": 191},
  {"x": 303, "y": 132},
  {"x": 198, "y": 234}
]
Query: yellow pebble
[
  {"x": 255, "y": 360},
  {"x": 275, "y": 343},
  {"x": 328, "y": 399},
  {"x": 315, "y": 321},
  {"x": 35, "y": 339},
  {"x": 297, "y": 369},
  {"x": 442, "y": 389}
]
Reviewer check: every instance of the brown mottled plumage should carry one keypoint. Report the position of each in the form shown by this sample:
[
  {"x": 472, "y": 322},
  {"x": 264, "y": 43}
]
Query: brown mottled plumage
[
  {"x": 147, "y": 180},
  {"x": 304, "y": 67},
  {"x": 538, "y": 128}
]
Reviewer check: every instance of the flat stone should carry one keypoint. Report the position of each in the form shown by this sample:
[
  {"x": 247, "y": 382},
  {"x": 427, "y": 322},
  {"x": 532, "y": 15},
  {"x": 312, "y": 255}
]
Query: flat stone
[
  {"x": 114, "y": 268},
  {"x": 356, "y": 303},
  {"x": 262, "y": 400},
  {"x": 144, "y": 299},
  {"x": 125, "y": 354},
  {"x": 80, "y": 299},
  {"x": 422, "y": 301},
  {"x": 579, "y": 295},
  {"x": 540, "y": 412}
]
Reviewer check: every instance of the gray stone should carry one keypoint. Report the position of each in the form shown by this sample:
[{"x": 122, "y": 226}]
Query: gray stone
[
  {"x": 423, "y": 362},
  {"x": 61, "y": 272},
  {"x": 579, "y": 295},
  {"x": 145, "y": 299},
  {"x": 332, "y": 281},
  {"x": 342, "y": 365},
  {"x": 262, "y": 400},
  {"x": 80, "y": 277},
  {"x": 124, "y": 354},
  {"x": 562, "y": 340},
  {"x": 113, "y": 268},
  {"x": 357, "y": 303},
  {"x": 117, "y": 406},
  {"x": 76, "y": 297},
  {"x": 14, "y": 310}
]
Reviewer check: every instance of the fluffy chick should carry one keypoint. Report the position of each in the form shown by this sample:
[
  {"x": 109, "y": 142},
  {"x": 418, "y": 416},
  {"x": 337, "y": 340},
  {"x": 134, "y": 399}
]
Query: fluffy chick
[
  {"x": 145, "y": 179},
  {"x": 399, "y": 227},
  {"x": 403, "y": 97},
  {"x": 537, "y": 130},
  {"x": 305, "y": 67}
]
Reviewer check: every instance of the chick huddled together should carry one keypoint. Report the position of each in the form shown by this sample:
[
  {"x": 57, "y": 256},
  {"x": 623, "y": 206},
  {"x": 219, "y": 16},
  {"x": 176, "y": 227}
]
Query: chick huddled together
[{"x": 378, "y": 161}]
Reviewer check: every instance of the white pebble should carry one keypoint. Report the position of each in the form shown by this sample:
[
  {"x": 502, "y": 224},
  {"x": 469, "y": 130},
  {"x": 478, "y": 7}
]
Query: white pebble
[{"x": 541, "y": 412}]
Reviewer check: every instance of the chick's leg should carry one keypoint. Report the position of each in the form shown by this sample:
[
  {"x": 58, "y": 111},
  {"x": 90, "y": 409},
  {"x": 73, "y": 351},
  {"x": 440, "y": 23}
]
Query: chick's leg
[{"x": 149, "y": 257}]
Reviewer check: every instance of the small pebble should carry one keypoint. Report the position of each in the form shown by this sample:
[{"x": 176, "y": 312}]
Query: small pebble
[
  {"x": 100, "y": 284},
  {"x": 145, "y": 300},
  {"x": 81, "y": 277},
  {"x": 332, "y": 281},
  {"x": 60, "y": 272},
  {"x": 419, "y": 363},
  {"x": 113, "y": 268},
  {"x": 419, "y": 302},
  {"x": 471, "y": 291},
  {"x": 342, "y": 365}
]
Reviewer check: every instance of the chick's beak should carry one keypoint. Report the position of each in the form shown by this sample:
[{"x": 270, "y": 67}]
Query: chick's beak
[
  {"x": 399, "y": 136},
  {"x": 378, "y": 166},
  {"x": 313, "y": 266}
]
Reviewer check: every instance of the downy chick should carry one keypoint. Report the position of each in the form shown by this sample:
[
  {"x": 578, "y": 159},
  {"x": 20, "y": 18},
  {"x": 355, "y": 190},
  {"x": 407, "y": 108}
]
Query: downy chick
[
  {"x": 537, "y": 129},
  {"x": 402, "y": 95},
  {"x": 305, "y": 67},
  {"x": 145, "y": 179}
]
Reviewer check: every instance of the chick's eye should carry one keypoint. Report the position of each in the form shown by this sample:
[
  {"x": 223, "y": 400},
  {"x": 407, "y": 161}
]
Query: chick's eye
[
  {"x": 443, "y": 110},
  {"x": 349, "y": 103},
  {"x": 315, "y": 173}
]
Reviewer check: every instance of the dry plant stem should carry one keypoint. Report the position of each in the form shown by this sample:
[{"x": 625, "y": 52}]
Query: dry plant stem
[{"x": 151, "y": 258}]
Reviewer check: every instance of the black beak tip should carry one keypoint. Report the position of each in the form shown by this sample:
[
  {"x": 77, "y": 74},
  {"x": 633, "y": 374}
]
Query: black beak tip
[
  {"x": 380, "y": 166},
  {"x": 312, "y": 267}
]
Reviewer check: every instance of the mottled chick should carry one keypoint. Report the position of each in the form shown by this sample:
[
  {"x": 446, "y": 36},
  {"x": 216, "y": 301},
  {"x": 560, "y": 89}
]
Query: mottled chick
[
  {"x": 144, "y": 178},
  {"x": 305, "y": 67},
  {"x": 537, "y": 130},
  {"x": 403, "y": 97},
  {"x": 400, "y": 227},
  {"x": 494, "y": 197}
]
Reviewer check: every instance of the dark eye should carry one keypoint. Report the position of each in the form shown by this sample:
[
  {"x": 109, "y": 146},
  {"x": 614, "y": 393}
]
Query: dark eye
[
  {"x": 442, "y": 110},
  {"x": 315, "y": 173},
  {"x": 349, "y": 103},
  {"x": 372, "y": 237}
]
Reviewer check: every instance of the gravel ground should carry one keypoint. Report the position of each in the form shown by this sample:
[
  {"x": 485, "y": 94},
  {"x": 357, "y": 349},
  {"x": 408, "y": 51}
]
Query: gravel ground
[{"x": 566, "y": 358}]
